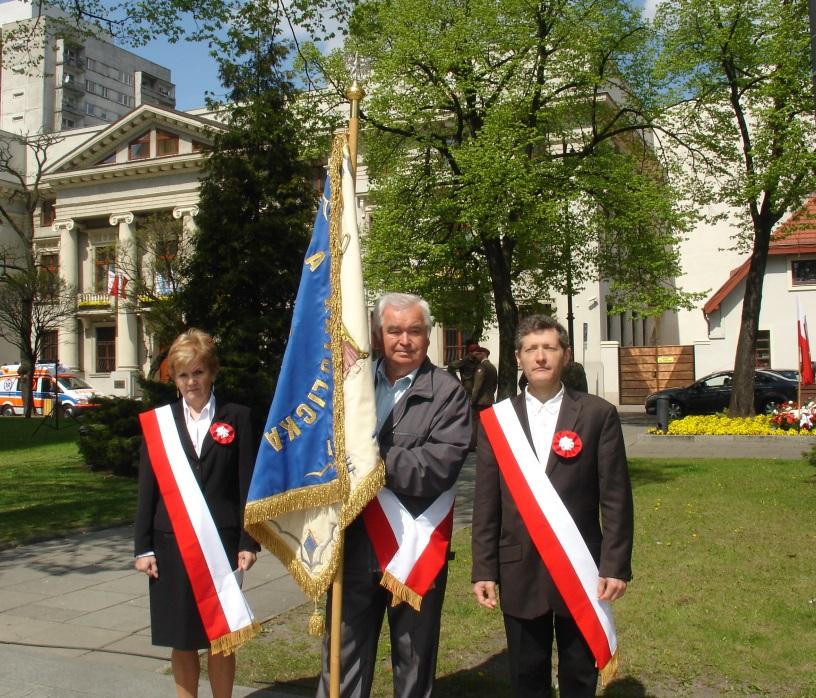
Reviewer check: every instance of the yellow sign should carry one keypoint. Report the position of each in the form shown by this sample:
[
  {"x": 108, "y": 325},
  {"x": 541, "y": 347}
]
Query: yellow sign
[{"x": 666, "y": 359}]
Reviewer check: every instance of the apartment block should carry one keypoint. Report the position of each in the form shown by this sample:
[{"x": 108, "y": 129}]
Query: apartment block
[{"x": 54, "y": 77}]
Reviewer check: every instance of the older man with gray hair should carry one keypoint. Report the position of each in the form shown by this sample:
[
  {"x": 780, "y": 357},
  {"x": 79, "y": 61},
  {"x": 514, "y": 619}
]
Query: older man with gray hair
[{"x": 423, "y": 428}]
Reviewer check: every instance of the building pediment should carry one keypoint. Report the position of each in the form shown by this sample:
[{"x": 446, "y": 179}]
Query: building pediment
[{"x": 99, "y": 157}]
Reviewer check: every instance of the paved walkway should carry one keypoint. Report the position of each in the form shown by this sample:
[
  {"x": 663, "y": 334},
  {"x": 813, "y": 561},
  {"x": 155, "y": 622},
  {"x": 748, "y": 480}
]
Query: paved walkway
[{"x": 74, "y": 614}]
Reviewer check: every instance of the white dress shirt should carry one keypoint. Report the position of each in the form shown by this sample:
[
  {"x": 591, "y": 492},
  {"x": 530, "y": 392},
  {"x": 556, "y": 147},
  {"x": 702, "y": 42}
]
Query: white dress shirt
[
  {"x": 543, "y": 417},
  {"x": 197, "y": 427}
]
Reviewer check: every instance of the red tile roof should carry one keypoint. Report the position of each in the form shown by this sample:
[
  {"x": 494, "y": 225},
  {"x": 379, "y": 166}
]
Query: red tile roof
[{"x": 797, "y": 235}]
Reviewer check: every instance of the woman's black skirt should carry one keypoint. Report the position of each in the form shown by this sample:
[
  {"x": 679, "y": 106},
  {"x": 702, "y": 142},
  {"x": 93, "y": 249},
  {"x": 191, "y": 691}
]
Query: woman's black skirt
[{"x": 174, "y": 618}]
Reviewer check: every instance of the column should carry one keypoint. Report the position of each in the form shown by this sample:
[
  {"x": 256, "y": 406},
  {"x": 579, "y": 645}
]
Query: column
[
  {"x": 638, "y": 322},
  {"x": 628, "y": 335},
  {"x": 187, "y": 215},
  {"x": 68, "y": 341},
  {"x": 127, "y": 326},
  {"x": 615, "y": 332}
]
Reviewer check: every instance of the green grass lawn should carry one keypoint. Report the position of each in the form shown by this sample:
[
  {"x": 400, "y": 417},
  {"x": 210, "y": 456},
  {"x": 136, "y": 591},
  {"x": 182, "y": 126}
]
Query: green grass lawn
[
  {"x": 46, "y": 491},
  {"x": 723, "y": 601}
]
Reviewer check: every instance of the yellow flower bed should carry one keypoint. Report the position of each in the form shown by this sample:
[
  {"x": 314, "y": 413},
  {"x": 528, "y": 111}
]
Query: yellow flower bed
[{"x": 719, "y": 425}]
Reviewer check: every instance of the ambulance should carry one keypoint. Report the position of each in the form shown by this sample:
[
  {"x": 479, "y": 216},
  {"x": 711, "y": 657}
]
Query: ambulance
[{"x": 74, "y": 393}]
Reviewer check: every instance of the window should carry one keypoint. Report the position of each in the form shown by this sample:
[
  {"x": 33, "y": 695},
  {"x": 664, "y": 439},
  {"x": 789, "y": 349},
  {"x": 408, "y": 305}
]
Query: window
[
  {"x": 140, "y": 148},
  {"x": 763, "y": 349},
  {"x": 68, "y": 123},
  {"x": 72, "y": 55},
  {"x": 166, "y": 251},
  {"x": 803, "y": 272},
  {"x": 721, "y": 380},
  {"x": 110, "y": 160},
  {"x": 48, "y": 212},
  {"x": 166, "y": 143},
  {"x": 90, "y": 64},
  {"x": 48, "y": 348},
  {"x": 105, "y": 349},
  {"x": 49, "y": 263},
  {"x": 454, "y": 345},
  {"x": 104, "y": 267}
]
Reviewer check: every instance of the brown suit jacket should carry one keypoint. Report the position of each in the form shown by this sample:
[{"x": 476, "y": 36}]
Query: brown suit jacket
[{"x": 594, "y": 487}]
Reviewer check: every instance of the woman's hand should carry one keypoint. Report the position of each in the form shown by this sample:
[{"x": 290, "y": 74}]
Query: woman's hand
[
  {"x": 147, "y": 564},
  {"x": 246, "y": 558}
]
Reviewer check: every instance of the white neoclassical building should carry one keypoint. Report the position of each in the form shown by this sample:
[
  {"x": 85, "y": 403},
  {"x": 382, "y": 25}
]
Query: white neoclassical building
[{"x": 99, "y": 181}]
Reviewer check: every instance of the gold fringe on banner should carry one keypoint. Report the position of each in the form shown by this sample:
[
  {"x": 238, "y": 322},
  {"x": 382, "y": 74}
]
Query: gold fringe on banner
[
  {"x": 336, "y": 307},
  {"x": 610, "y": 671},
  {"x": 292, "y": 500},
  {"x": 363, "y": 494},
  {"x": 400, "y": 592},
  {"x": 227, "y": 644}
]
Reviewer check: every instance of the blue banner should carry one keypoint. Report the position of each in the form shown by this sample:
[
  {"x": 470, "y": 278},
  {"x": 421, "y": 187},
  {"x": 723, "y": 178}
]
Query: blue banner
[{"x": 296, "y": 449}]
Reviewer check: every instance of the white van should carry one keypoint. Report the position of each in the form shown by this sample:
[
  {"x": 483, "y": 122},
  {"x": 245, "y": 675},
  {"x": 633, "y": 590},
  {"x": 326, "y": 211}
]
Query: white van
[{"x": 73, "y": 392}]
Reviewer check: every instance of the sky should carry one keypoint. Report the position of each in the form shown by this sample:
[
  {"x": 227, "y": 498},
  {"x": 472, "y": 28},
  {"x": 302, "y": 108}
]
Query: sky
[{"x": 195, "y": 72}]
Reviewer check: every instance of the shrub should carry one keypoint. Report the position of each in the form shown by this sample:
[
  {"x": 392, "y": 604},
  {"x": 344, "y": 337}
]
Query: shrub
[{"x": 109, "y": 437}]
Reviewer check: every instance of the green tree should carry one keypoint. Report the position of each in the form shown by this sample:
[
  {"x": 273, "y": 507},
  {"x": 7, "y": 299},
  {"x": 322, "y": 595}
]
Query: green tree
[
  {"x": 742, "y": 67},
  {"x": 506, "y": 147},
  {"x": 256, "y": 205}
]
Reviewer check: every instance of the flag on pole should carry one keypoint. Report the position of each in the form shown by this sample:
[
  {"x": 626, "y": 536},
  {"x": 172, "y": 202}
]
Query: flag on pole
[
  {"x": 318, "y": 464},
  {"x": 805, "y": 365}
]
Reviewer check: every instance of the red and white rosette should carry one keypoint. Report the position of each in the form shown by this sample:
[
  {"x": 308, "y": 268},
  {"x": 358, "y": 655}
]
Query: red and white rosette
[
  {"x": 222, "y": 433},
  {"x": 567, "y": 444}
]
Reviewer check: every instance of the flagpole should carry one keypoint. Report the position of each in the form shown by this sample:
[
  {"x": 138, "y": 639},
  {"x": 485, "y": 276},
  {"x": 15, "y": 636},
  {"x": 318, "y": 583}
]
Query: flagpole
[{"x": 354, "y": 94}]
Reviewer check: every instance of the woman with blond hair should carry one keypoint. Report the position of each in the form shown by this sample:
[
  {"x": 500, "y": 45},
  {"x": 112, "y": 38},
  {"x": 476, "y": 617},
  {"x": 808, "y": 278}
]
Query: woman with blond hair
[{"x": 196, "y": 465}]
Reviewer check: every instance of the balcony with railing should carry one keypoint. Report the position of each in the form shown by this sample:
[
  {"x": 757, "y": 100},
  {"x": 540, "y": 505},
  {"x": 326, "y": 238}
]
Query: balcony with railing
[{"x": 95, "y": 302}]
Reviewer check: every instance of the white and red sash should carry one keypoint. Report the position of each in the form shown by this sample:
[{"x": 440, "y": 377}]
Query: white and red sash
[
  {"x": 553, "y": 531},
  {"x": 411, "y": 551},
  {"x": 227, "y": 618}
]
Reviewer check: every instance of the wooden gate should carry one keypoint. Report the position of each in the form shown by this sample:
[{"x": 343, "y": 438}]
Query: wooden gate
[{"x": 644, "y": 370}]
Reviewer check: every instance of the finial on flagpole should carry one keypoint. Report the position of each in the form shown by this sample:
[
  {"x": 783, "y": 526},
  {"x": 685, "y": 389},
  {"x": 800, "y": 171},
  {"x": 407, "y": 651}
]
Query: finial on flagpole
[{"x": 358, "y": 70}]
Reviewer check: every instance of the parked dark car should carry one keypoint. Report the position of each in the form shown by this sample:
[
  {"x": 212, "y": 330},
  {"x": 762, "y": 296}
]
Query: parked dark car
[{"x": 712, "y": 393}]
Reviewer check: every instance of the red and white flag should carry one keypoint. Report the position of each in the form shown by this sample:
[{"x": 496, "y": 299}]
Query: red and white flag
[
  {"x": 805, "y": 365},
  {"x": 116, "y": 285}
]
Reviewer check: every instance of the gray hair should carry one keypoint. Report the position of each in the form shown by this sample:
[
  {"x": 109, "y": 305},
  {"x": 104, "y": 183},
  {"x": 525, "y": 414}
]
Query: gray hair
[
  {"x": 539, "y": 323},
  {"x": 401, "y": 301}
]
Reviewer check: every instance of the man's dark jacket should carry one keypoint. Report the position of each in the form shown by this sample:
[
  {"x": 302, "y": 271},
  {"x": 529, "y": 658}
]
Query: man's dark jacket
[{"x": 594, "y": 482}]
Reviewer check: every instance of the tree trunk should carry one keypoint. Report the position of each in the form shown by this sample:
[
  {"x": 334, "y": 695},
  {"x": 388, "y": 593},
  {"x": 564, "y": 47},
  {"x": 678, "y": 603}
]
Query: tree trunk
[
  {"x": 742, "y": 395},
  {"x": 27, "y": 358},
  {"x": 499, "y": 254}
]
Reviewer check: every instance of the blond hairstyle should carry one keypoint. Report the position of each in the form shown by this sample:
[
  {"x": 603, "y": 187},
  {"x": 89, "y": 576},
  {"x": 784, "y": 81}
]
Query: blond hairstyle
[{"x": 192, "y": 345}]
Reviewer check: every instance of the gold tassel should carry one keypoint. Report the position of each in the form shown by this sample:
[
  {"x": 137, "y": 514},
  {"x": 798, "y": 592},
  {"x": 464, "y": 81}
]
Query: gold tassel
[
  {"x": 317, "y": 623},
  {"x": 610, "y": 671},
  {"x": 227, "y": 644}
]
